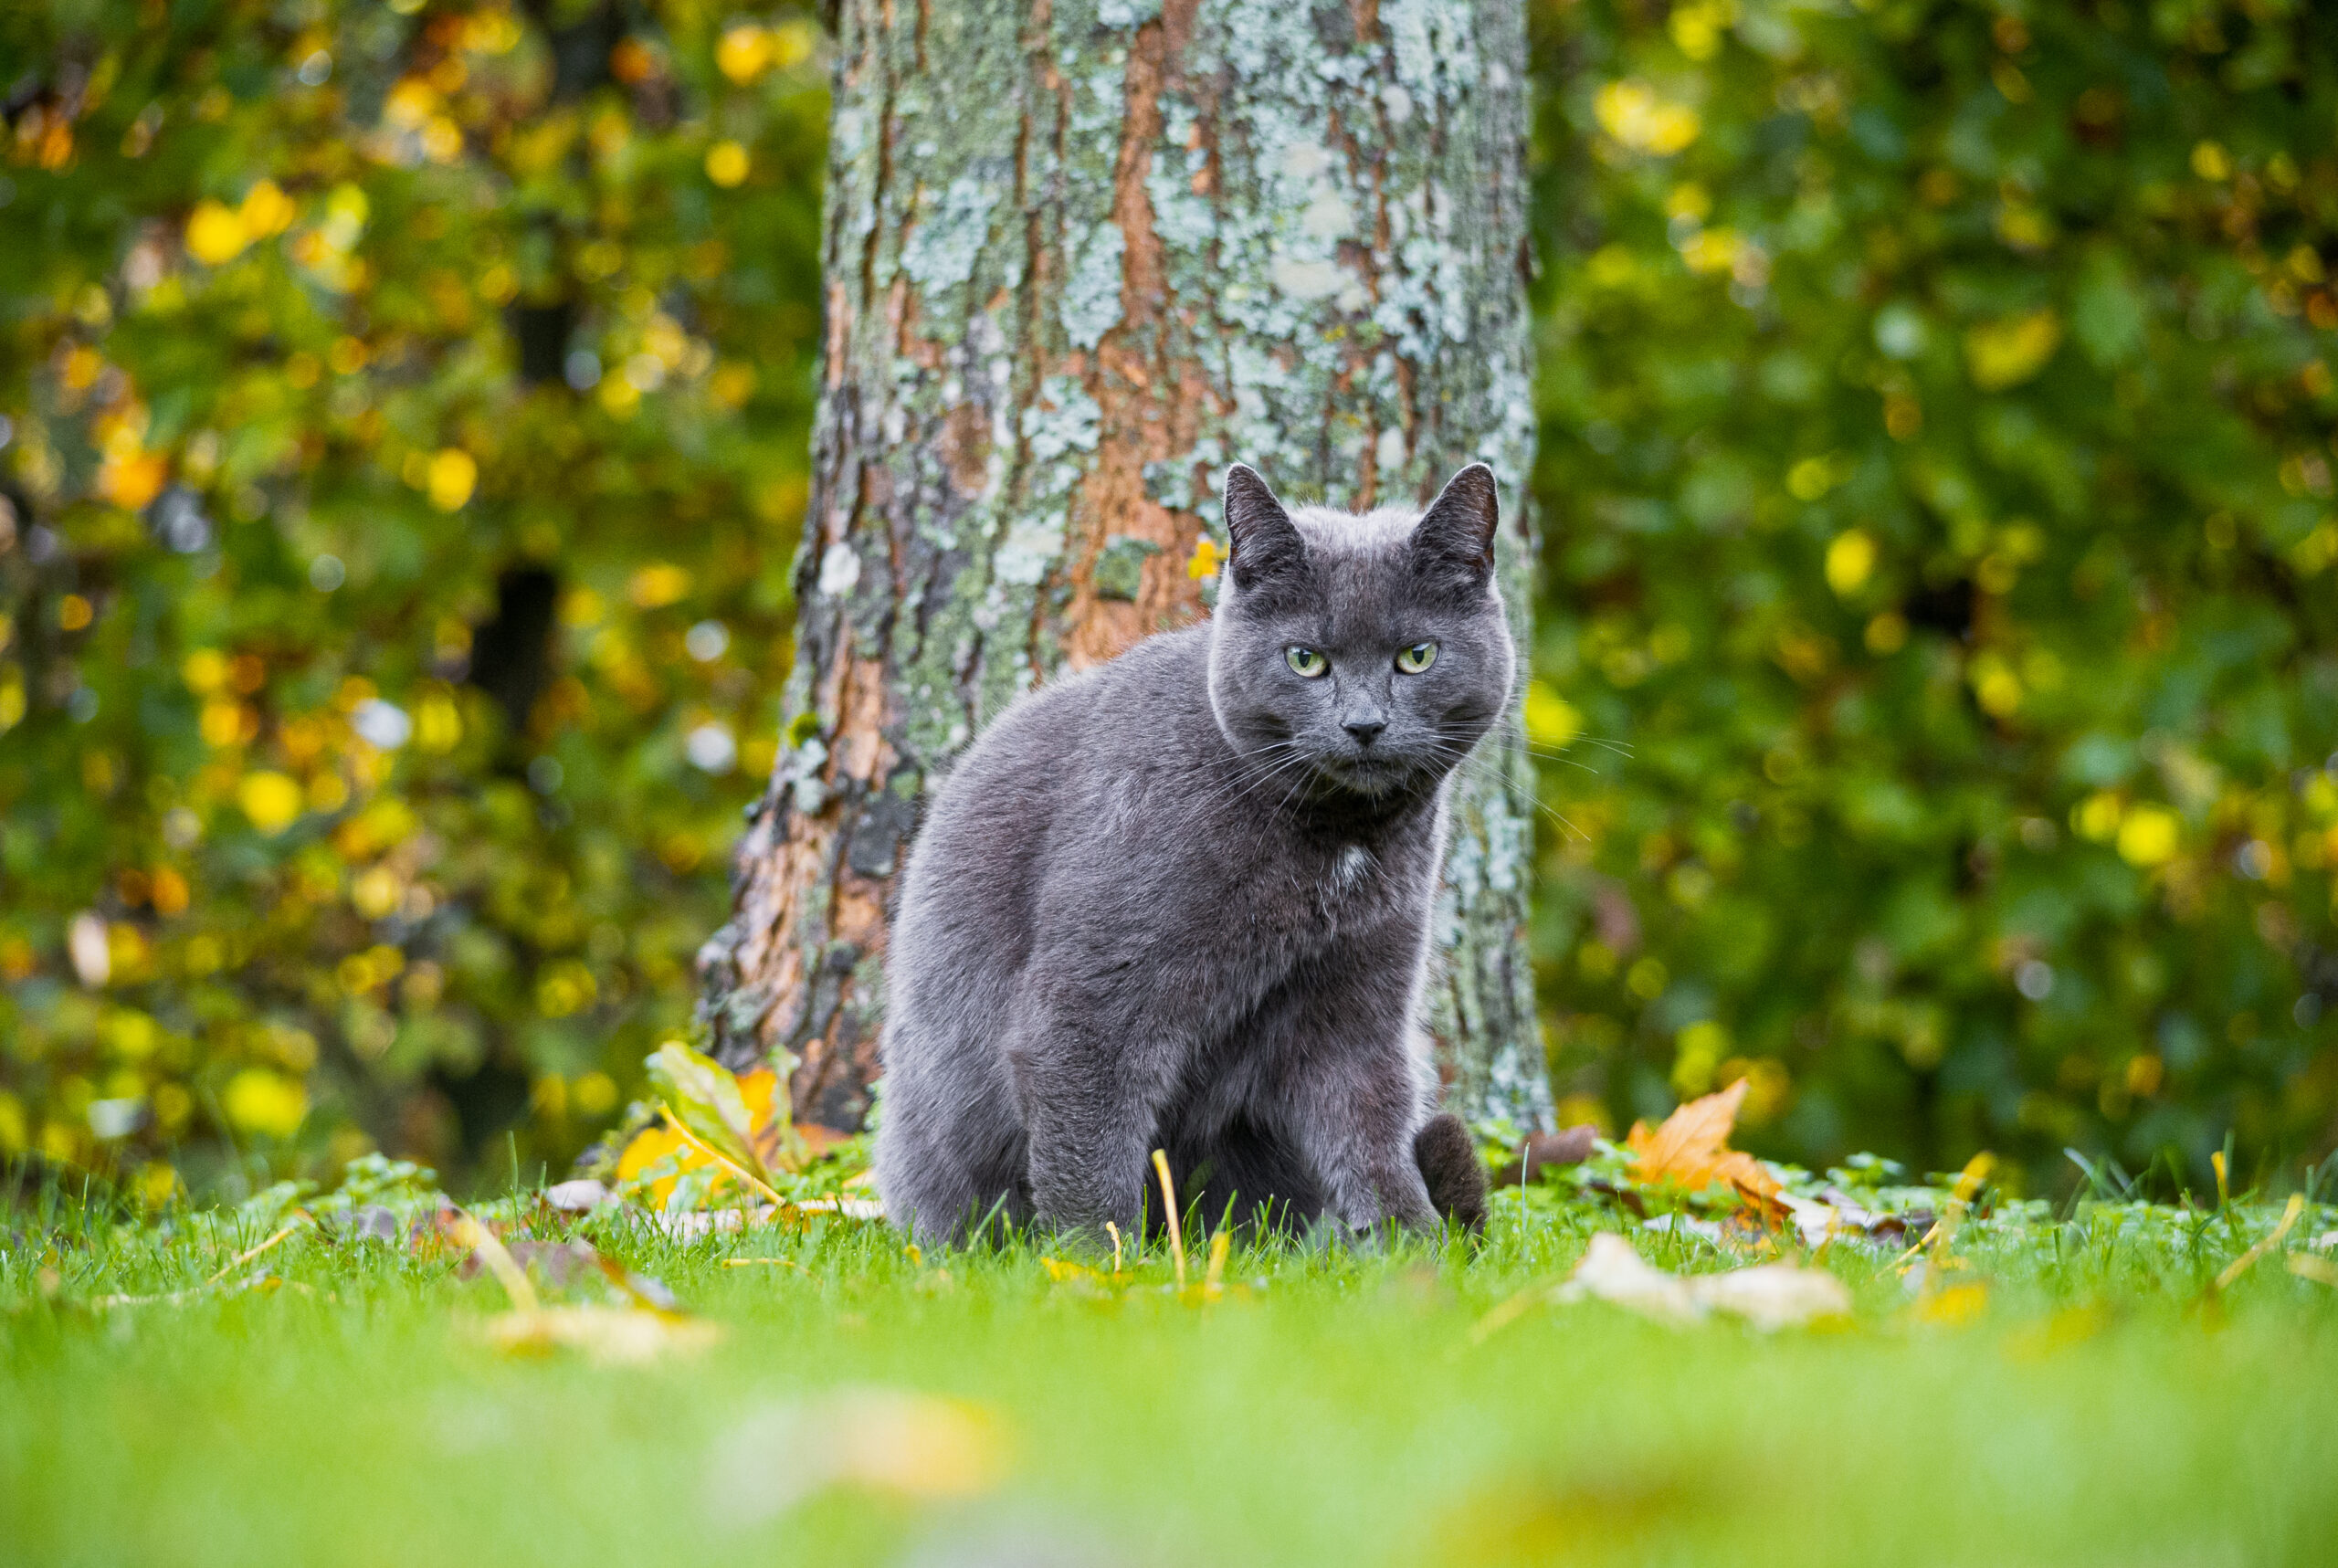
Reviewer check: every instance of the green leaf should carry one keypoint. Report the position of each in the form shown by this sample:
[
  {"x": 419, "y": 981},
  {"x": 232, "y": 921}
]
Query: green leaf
[{"x": 705, "y": 1099}]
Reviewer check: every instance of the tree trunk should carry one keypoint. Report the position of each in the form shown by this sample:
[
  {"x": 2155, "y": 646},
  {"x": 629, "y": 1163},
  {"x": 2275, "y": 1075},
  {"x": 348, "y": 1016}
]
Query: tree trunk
[{"x": 1079, "y": 256}]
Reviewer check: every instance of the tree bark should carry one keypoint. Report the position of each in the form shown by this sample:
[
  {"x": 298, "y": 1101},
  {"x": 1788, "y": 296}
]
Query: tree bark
[{"x": 1079, "y": 256}]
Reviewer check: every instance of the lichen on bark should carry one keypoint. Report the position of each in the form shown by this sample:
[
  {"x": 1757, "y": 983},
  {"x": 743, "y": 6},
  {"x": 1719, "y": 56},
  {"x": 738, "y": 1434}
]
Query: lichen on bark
[{"x": 1080, "y": 255}]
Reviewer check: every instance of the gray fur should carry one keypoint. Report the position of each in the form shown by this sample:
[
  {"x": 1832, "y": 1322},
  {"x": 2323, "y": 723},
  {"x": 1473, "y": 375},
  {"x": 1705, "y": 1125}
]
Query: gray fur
[{"x": 1174, "y": 901}]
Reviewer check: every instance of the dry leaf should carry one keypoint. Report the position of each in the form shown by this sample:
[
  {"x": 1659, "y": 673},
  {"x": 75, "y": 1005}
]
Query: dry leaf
[
  {"x": 1954, "y": 1306},
  {"x": 1692, "y": 1152},
  {"x": 1769, "y": 1296},
  {"x": 2320, "y": 1270},
  {"x": 560, "y": 1262},
  {"x": 611, "y": 1335},
  {"x": 578, "y": 1196},
  {"x": 911, "y": 1445}
]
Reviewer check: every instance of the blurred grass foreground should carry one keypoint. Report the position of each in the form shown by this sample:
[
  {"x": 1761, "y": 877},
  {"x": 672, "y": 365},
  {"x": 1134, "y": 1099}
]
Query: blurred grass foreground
[{"x": 403, "y": 425}]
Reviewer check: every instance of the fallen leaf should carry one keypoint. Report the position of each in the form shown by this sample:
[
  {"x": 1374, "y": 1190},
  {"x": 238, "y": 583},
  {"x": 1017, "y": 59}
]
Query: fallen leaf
[
  {"x": 1953, "y": 1306},
  {"x": 2320, "y": 1270},
  {"x": 611, "y": 1335},
  {"x": 704, "y": 1097},
  {"x": 1692, "y": 1152},
  {"x": 644, "y": 1328},
  {"x": 741, "y": 1129},
  {"x": 891, "y": 1440},
  {"x": 561, "y": 1263},
  {"x": 1768, "y": 1295},
  {"x": 578, "y": 1196}
]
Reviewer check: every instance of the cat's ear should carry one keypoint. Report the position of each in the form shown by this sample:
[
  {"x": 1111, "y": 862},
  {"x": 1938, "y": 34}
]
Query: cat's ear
[
  {"x": 1267, "y": 545},
  {"x": 1453, "y": 544}
]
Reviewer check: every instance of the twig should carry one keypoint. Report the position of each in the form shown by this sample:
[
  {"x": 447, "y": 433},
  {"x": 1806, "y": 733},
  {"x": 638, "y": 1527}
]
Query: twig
[
  {"x": 174, "y": 1298},
  {"x": 1114, "y": 1232},
  {"x": 1214, "y": 1277},
  {"x": 249, "y": 1253},
  {"x": 2240, "y": 1264},
  {"x": 1169, "y": 1203},
  {"x": 500, "y": 1262},
  {"x": 1505, "y": 1313}
]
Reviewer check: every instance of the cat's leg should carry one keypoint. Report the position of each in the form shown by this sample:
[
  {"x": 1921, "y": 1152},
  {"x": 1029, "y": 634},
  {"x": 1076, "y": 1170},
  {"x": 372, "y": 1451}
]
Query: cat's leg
[
  {"x": 949, "y": 1150},
  {"x": 1091, "y": 1098},
  {"x": 1346, "y": 1090}
]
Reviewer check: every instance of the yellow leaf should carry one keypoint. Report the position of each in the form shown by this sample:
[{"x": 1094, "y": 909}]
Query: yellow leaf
[
  {"x": 1632, "y": 113},
  {"x": 214, "y": 233},
  {"x": 1850, "y": 560},
  {"x": 2097, "y": 816},
  {"x": 1955, "y": 1306},
  {"x": 452, "y": 476},
  {"x": 1711, "y": 251},
  {"x": 2007, "y": 352},
  {"x": 617, "y": 1336},
  {"x": 267, "y": 210},
  {"x": 132, "y": 479},
  {"x": 2148, "y": 836},
  {"x": 259, "y": 1100},
  {"x": 658, "y": 584},
  {"x": 271, "y": 800},
  {"x": 1207, "y": 559},
  {"x": 726, "y": 163},
  {"x": 1551, "y": 719},
  {"x": 437, "y": 723},
  {"x": 743, "y": 53},
  {"x": 793, "y": 42},
  {"x": 652, "y": 1144},
  {"x": 888, "y": 1440},
  {"x": 205, "y": 671}
]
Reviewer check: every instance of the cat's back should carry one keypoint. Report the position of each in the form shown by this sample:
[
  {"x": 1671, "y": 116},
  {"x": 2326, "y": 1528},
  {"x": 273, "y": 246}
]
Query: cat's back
[{"x": 1038, "y": 776}]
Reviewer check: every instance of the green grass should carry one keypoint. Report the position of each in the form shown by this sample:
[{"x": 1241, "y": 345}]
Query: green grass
[{"x": 2107, "y": 1406}]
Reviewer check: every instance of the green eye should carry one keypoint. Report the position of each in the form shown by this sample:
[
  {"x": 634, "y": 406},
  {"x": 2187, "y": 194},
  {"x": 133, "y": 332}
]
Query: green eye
[
  {"x": 1306, "y": 661},
  {"x": 1418, "y": 658}
]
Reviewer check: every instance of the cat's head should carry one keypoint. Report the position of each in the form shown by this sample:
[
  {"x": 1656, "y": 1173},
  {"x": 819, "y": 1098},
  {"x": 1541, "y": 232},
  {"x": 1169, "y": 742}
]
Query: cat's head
[{"x": 1364, "y": 655}]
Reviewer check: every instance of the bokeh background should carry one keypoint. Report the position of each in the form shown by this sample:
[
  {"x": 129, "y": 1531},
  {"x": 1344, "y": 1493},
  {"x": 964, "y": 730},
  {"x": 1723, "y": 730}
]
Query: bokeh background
[{"x": 406, "y": 408}]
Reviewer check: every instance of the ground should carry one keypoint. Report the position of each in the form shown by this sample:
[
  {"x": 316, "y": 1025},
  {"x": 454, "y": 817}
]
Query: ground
[{"x": 2098, "y": 1399}]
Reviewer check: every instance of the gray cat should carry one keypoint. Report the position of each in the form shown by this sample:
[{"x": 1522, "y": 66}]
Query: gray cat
[{"x": 1181, "y": 900}]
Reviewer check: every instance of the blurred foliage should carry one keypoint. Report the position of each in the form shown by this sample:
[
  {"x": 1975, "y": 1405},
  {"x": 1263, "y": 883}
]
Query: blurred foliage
[
  {"x": 406, "y": 411},
  {"x": 405, "y": 423},
  {"x": 1936, "y": 469}
]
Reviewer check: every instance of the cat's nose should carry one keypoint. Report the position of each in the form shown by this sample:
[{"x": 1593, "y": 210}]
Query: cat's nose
[{"x": 1365, "y": 731}]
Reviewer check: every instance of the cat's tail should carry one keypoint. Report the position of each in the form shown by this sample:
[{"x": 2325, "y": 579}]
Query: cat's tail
[{"x": 1449, "y": 1164}]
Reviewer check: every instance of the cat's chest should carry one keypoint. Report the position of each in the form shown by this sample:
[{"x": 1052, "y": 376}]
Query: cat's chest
[{"x": 1343, "y": 891}]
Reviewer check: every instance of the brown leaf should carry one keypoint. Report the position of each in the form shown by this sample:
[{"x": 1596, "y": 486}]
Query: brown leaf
[{"x": 1692, "y": 1152}]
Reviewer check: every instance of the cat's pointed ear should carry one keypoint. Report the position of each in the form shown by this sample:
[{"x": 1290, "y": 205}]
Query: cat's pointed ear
[
  {"x": 1267, "y": 545},
  {"x": 1453, "y": 544}
]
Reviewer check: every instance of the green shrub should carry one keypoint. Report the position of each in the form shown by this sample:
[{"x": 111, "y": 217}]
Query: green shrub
[
  {"x": 1936, "y": 484},
  {"x": 407, "y": 434}
]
